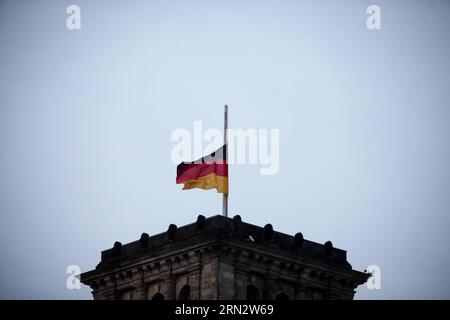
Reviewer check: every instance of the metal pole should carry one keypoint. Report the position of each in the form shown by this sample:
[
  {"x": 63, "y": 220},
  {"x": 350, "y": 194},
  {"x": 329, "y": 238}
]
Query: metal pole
[{"x": 225, "y": 140}]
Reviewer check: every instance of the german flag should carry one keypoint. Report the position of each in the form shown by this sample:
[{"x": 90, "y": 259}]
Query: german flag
[{"x": 208, "y": 172}]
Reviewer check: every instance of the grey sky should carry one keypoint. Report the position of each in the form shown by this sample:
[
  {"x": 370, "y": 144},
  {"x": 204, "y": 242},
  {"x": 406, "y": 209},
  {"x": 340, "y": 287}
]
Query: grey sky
[{"x": 86, "y": 118}]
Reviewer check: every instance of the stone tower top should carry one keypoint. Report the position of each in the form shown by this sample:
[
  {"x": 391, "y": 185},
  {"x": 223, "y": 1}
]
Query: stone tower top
[{"x": 239, "y": 260}]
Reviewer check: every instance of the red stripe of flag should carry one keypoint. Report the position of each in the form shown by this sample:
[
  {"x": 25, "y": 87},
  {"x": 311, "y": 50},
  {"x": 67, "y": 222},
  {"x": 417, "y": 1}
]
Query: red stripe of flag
[{"x": 196, "y": 170}]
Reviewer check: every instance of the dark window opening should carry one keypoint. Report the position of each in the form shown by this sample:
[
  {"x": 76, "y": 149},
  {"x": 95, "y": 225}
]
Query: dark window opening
[
  {"x": 252, "y": 293},
  {"x": 282, "y": 296},
  {"x": 158, "y": 297},
  {"x": 185, "y": 293}
]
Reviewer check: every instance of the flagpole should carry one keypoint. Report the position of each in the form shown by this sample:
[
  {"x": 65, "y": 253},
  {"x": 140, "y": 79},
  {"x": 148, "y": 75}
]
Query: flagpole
[{"x": 225, "y": 140}]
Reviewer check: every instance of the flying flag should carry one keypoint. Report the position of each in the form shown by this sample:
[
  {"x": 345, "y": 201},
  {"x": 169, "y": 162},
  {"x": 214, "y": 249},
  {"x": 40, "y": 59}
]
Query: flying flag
[{"x": 209, "y": 172}]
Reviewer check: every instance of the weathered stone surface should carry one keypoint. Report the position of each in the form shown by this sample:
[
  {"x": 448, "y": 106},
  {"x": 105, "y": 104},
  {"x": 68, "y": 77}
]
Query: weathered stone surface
[{"x": 223, "y": 258}]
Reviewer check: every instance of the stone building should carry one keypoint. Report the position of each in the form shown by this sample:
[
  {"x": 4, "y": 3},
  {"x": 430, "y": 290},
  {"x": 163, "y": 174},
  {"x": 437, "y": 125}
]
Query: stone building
[{"x": 223, "y": 258}]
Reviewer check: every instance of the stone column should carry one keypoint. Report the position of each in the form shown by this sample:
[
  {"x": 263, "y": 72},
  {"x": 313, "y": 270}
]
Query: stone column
[
  {"x": 110, "y": 293},
  {"x": 195, "y": 275},
  {"x": 269, "y": 288},
  {"x": 300, "y": 292},
  {"x": 194, "y": 283},
  {"x": 240, "y": 284},
  {"x": 168, "y": 288},
  {"x": 225, "y": 281},
  {"x": 141, "y": 290},
  {"x": 141, "y": 293},
  {"x": 209, "y": 280}
]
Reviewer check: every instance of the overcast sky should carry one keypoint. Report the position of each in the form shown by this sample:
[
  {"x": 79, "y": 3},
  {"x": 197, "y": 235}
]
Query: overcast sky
[{"x": 86, "y": 118}]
